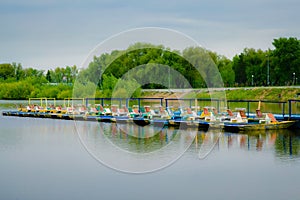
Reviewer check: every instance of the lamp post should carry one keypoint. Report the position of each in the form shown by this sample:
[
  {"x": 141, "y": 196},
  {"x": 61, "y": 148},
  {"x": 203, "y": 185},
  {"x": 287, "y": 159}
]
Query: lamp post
[
  {"x": 294, "y": 78},
  {"x": 252, "y": 79},
  {"x": 169, "y": 80},
  {"x": 268, "y": 72}
]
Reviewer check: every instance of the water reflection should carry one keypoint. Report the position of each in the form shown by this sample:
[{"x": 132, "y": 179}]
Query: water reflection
[
  {"x": 141, "y": 143},
  {"x": 149, "y": 139},
  {"x": 287, "y": 146},
  {"x": 133, "y": 148},
  {"x": 38, "y": 153}
]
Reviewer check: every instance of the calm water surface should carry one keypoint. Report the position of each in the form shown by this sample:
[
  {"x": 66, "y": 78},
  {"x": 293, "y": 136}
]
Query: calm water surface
[{"x": 45, "y": 159}]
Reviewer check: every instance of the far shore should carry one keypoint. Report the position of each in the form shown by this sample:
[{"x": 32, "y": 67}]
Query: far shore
[{"x": 282, "y": 93}]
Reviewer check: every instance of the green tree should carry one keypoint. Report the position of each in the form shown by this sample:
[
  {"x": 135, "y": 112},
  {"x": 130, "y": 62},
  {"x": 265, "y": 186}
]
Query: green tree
[
  {"x": 31, "y": 72},
  {"x": 255, "y": 61},
  {"x": 250, "y": 63},
  {"x": 239, "y": 67},
  {"x": 74, "y": 73},
  {"x": 19, "y": 71},
  {"x": 84, "y": 90},
  {"x": 286, "y": 60},
  {"x": 227, "y": 73},
  {"x": 48, "y": 76},
  {"x": 202, "y": 67},
  {"x": 6, "y": 71}
]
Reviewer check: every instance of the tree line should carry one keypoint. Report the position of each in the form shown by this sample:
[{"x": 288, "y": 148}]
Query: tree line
[
  {"x": 141, "y": 65},
  {"x": 17, "y": 82},
  {"x": 276, "y": 67}
]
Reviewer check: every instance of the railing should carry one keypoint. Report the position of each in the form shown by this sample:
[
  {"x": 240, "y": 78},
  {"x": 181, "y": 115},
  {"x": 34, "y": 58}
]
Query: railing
[
  {"x": 104, "y": 99},
  {"x": 139, "y": 101},
  {"x": 194, "y": 101},
  {"x": 191, "y": 100},
  {"x": 121, "y": 100},
  {"x": 45, "y": 100},
  {"x": 68, "y": 101},
  {"x": 257, "y": 101},
  {"x": 290, "y": 105}
]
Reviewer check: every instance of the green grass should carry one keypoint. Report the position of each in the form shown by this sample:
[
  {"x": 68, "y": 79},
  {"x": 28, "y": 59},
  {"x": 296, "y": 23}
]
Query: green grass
[
  {"x": 276, "y": 94},
  {"x": 279, "y": 94}
]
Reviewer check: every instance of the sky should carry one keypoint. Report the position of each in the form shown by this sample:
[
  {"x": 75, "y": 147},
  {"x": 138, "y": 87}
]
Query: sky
[{"x": 58, "y": 33}]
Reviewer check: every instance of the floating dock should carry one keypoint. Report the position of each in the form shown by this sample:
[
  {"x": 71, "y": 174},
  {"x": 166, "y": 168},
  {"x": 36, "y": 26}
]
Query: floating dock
[{"x": 143, "y": 121}]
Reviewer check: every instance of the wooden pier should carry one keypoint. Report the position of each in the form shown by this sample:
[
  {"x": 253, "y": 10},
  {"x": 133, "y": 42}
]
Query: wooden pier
[{"x": 287, "y": 109}]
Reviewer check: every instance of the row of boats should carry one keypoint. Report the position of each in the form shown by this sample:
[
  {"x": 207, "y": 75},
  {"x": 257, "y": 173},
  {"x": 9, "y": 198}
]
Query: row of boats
[{"x": 204, "y": 119}]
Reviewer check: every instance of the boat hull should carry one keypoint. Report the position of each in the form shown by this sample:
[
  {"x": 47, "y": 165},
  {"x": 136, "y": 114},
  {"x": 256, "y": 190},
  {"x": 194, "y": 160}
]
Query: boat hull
[
  {"x": 141, "y": 121},
  {"x": 238, "y": 127}
]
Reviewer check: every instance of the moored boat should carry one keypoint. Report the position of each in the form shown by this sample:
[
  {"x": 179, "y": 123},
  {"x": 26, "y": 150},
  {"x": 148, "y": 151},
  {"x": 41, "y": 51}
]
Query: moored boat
[{"x": 269, "y": 123}]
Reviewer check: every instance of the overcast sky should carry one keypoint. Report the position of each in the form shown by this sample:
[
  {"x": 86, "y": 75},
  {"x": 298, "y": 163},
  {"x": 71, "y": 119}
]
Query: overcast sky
[{"x": 50, "y": 33}]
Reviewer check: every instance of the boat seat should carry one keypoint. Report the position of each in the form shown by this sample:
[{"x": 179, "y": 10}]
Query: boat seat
[
  {"x": 242, "y": 113},
  {"x": 258, "y": 113},
  {"x": 271, "y": 116},
  {"x": 215, "y": 111},
  {"x": 230, "y": 113},
  {"x": 142, "y": 110},
  {"x": 189, "y": 111},
  {"x": 114, "y": 109},
  {"x": 100, "y": 108}
]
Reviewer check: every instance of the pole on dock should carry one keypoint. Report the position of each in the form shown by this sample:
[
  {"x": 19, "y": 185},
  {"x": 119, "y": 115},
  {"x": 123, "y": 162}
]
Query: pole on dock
[
  {"x": 290, "y": 108},
  {"x": 196, "y": 106},
  {"x": 283, "y": 108},
  {"x": 248, "y": 108},
  {"x": 139, "y": 102},
  {"x": 120, "y": 103},
  {"x": 127, "y": 103}
]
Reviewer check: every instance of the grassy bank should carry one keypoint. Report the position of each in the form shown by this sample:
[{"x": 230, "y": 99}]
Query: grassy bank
[
  {"x": 280, "y": 94},
  {"x": 276, "y": 94},
  {"x": 61, "y": 91}
]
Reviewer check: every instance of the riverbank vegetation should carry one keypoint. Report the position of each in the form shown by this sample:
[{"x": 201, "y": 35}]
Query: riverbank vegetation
[
  {"x": 123, "y": 73},
  {"x": 257, "y": 93}
]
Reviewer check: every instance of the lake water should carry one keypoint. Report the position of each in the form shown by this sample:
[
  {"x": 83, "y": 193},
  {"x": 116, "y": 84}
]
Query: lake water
[{"x": 59, "y": 159}]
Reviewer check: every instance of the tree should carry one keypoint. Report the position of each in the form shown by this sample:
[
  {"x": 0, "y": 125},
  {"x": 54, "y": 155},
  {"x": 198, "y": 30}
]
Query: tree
[
  {"x": 48, "y": 76},
  {"x": 256, "y": 65},
  {"x": 286, "y": 60},
  {"x": 202, "y": 65},
  {"x": 239, "y": 68},
  {"x": 6, "y": 71},
  {"x": 19, "y": 71},
  {"x": 250, "y": 63},
  {"x": 74, "y": 72},
  {"x": 225, "y": 68},
  {"x": 31, "y": 72}
]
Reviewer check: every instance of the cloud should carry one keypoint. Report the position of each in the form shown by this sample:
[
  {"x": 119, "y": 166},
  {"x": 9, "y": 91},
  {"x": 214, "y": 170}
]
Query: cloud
[{"x": 62, "y": 32}]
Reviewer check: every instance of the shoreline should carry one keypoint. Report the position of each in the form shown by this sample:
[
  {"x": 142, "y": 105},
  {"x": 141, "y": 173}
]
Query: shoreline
[{"x": 281, "y": 93}]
